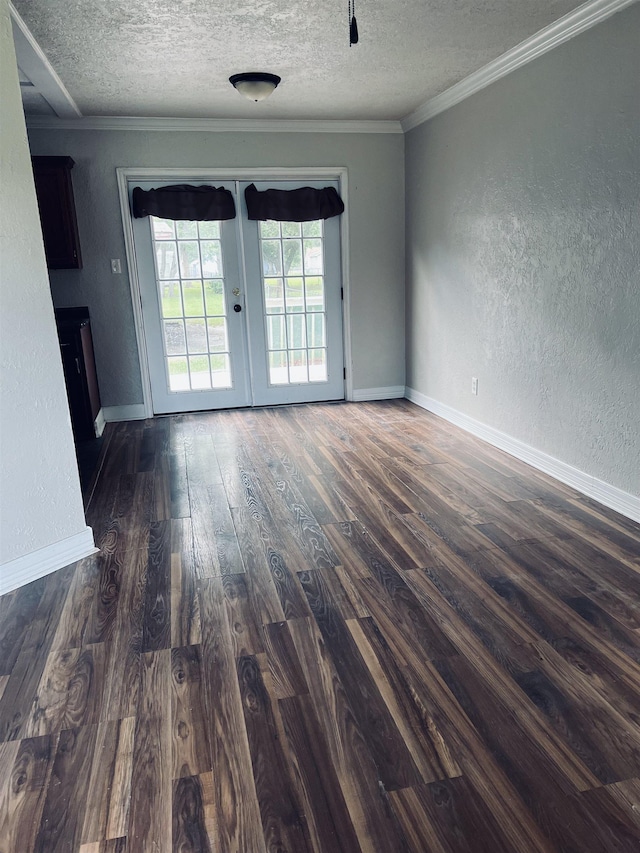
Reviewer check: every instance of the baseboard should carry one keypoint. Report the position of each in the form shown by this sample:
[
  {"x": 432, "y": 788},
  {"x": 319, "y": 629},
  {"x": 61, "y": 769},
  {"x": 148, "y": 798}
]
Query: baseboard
[
  {"x": 42, "y": 562},
  {"x": 135, "y": 412},
  {"x": 391, "y": 392},
  {"x": 611, "y": 496},
  {"x": 99, "y": 424}
]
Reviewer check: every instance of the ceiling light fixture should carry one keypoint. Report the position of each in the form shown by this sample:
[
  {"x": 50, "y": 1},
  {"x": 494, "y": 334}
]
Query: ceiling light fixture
[{"x": 255, "y": 85}]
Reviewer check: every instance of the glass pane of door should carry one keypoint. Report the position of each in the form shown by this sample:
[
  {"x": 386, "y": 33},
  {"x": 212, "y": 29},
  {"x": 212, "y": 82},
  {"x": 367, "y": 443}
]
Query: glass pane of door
[
  {"x": 293, "y": 291},
  {"x": 190, "y": 281}
]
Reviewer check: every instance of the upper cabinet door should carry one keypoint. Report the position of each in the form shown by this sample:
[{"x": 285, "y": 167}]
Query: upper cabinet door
[{"x": 57, "y": 212}]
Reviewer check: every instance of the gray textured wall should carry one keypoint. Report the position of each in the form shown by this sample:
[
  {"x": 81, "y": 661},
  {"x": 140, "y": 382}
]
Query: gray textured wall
[
  {"x": 40, "y": 499},
  {"x": 523, "y": 253},
  {"x": 376, "y": 196}
]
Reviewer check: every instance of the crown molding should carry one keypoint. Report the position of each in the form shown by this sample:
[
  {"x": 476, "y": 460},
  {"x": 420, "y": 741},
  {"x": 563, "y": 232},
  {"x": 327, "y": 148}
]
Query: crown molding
[
  {"x": 216, "y": 125},
  {"x": 69, "y": 116},
  {"x": 562, "y": 30},
  {"x": 36, "y": 67}
]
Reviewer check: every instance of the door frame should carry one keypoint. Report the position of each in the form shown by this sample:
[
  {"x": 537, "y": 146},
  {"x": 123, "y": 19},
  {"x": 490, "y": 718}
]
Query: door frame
[{"x": 125, "y": 175}]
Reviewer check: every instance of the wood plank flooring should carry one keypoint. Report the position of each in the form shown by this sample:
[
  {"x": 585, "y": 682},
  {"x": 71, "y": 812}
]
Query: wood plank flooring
[{"x": 325, "y": 628}]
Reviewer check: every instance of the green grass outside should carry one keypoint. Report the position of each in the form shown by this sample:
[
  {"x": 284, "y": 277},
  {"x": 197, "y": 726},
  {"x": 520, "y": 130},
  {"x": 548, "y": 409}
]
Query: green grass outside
[{"x": 193, "y": 304}]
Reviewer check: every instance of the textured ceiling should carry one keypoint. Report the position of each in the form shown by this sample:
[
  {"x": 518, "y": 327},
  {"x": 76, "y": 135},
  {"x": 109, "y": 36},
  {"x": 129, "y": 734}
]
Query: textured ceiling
[{"x": 174, "y": 57}]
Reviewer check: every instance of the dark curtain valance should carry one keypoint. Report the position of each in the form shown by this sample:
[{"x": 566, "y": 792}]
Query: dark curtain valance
[
  {"x": 302, "y": 205},
  {"x": 184, "y": 202}
]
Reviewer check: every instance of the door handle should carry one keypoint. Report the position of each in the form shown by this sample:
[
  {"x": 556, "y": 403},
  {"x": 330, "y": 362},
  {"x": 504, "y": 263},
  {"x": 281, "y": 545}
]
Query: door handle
[{"x": 237, "y": 307}]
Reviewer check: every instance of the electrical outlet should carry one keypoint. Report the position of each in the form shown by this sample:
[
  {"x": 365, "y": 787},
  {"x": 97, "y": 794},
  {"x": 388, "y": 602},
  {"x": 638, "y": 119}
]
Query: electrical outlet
[
  {"x": 116, "y": 266},
  {"x": 474, "y": 386}
]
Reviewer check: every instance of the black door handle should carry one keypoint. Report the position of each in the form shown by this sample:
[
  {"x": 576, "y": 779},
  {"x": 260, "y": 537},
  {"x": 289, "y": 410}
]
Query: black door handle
[{"x": 237, "y": 308}]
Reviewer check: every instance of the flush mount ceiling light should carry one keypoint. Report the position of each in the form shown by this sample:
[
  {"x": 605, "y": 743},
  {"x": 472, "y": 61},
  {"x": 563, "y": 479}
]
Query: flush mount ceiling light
[{"x": 255, "y": 85}]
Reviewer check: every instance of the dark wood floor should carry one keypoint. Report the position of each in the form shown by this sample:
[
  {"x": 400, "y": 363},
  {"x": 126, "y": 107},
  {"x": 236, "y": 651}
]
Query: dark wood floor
[{"x": 326, "y": 628}]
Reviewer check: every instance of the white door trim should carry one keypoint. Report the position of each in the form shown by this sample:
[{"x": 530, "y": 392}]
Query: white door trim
[
  {"x": 123, "y": 177},
  {"x": 126, "y": 174}
]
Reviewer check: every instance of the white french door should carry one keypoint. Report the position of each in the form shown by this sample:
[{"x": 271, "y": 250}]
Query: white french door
[
  {"x": 294, "y": 307},
  {"x": 240, "y": 313},
  {"x": 190, "y": 282}
]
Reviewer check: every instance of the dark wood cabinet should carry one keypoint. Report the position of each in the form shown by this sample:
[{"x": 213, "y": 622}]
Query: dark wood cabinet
[
  {"x": 76, "y": 347},
  {"x": 57, "y": 211}
]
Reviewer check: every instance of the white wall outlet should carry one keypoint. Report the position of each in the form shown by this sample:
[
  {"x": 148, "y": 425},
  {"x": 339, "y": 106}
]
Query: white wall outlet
[
  {"x": 474, "y": 385},
  {"x": 116, "y": 266}
]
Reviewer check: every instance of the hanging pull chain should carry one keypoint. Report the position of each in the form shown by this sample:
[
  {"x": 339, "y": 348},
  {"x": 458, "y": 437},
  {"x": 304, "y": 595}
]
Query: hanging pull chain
[{"x": 353, "y": 24}]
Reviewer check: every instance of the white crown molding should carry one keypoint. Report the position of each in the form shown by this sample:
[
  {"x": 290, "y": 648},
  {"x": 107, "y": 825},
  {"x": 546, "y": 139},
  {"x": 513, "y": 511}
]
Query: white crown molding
[
  {"x": 42, "y": 562},
  {"x": 215, "y": 125},
  {"x": 390, "y": 392},
  {"x": 69, "y": 117},
  {"x": 611, "y": 496},
  {"x": 34, "y": 64},
  {"x": 565, "y": 28}
]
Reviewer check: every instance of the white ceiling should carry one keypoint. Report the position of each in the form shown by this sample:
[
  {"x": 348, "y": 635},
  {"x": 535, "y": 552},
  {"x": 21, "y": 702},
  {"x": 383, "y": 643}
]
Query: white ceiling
[{"x": 173, "y": 58}]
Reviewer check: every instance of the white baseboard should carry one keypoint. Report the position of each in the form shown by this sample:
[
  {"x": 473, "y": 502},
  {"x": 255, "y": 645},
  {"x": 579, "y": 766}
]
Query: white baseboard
[
  {"x": 42, "y": 562},
  {"x": 611, "y": 496},
  {"x": 99, "y": 423},
  {"x": 135, "y": 412},
  {"x": 391, "y": 392}
]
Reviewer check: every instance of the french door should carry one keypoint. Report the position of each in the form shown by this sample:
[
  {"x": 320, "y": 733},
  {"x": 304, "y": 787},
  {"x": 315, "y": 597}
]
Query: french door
[{"x": 240, "y": 313}]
